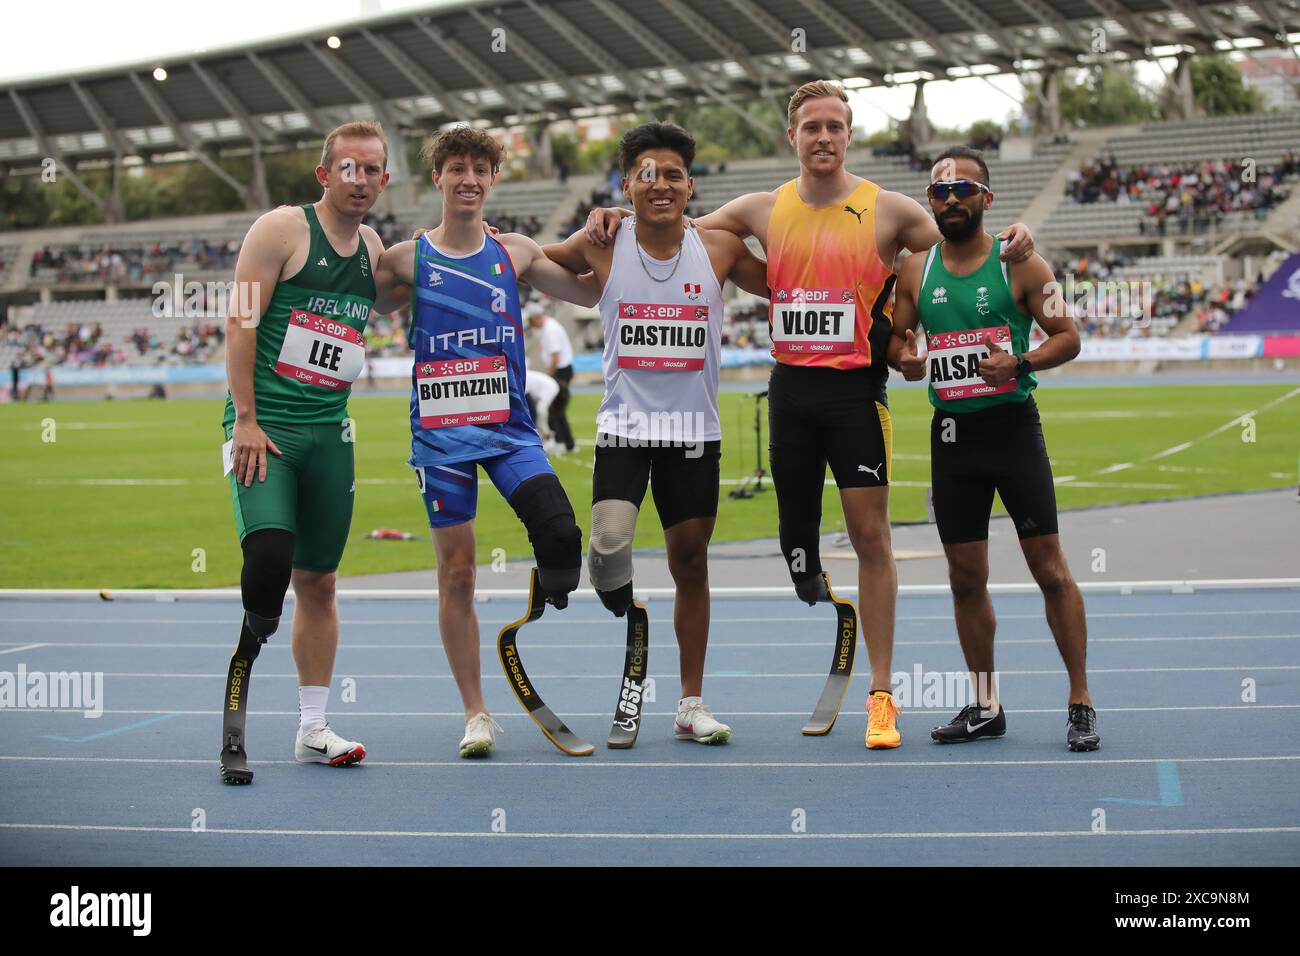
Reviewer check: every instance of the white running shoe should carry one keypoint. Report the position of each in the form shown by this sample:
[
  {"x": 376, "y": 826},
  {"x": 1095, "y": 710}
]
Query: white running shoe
[
  {"x": 697, "y": 723},
  {"x": 480, "y": 736},
  {"x": 322, "y": 745}
]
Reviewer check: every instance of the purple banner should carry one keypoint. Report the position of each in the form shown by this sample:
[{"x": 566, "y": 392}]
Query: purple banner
[{"x": 1275, "y": 307}]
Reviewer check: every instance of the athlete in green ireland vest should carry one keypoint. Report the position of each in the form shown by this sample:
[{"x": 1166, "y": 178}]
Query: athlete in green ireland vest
[
  {"x": 986, "y": 436},
  {"x": 294, "y": 346}
]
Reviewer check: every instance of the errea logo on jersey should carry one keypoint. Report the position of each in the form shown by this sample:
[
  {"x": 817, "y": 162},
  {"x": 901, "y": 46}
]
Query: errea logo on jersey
[{"x": 940, "y": 296}]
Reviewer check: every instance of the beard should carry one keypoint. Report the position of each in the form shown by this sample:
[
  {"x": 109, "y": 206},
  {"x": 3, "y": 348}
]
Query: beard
[{"x": 962, "y": 230}]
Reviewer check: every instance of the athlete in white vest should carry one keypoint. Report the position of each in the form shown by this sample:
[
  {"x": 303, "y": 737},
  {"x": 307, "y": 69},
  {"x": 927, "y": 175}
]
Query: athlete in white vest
[{"x": 661, "y": 314}]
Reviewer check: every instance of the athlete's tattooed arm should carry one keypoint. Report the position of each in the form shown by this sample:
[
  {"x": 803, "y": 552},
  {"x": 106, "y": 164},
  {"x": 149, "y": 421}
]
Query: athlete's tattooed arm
[
  {"x": 270, "y": 244},
  {"x": 546, "y": 275},
  {"x": 903, "y": 355},
  {"x": 393, "y": 277}
]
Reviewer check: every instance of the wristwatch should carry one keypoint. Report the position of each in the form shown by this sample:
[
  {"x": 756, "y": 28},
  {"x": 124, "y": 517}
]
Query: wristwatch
[{"x": 1023, "y": 367}]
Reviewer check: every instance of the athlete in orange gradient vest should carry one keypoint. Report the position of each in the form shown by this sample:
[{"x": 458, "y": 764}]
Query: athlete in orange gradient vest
[{"x": 831, "y": 240}]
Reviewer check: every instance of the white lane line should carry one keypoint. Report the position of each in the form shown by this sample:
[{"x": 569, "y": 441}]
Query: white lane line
[
  {"x": 208, "y": 595},
  {"x": 116, "y": 482},
  {"x": 565, "y": 622},
  {"x": 710, "y": 837},
  {"x": 1171, "y": 451},
  {"x": 866, "y": 763},
  {"x": 24, "y": 647},
  {"x": 930, "y": 712},
  {"x": 620, "y": 646},
  {"x": 721, "y": 675},
  {"x": 1175, "y": 449}
]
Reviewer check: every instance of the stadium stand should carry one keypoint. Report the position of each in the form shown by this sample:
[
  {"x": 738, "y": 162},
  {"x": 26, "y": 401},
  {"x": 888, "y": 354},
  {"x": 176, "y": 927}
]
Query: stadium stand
[{"x": 1182, "y": 178}]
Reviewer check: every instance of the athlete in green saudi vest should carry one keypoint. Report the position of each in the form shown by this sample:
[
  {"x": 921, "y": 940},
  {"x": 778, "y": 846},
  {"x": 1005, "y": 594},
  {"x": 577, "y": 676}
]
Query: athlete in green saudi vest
[
  {"x": 986, "y": 436},
  {"x": 294, "y": 346}
]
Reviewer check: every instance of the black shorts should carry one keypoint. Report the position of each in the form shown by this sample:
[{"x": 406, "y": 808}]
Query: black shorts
[
  {"x": 995, "y": 449},
  {"x": 682, "y": 478},
  {"x": 820, "y": 416}
]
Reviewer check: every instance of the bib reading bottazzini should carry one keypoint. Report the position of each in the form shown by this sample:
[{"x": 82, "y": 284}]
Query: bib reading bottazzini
[
  {"x": 474, "y": 391},
  {"x": 957, "y": 313},
  {"x": 311, "y": 337}
]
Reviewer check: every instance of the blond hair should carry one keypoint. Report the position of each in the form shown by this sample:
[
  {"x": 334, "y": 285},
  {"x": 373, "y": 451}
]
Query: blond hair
[
  {"x": 813, "y": 90},
  {"x": 359, "y": 129}
]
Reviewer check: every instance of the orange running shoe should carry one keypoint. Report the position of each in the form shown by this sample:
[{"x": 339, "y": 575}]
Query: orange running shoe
[{"x": 882, "y": 718}]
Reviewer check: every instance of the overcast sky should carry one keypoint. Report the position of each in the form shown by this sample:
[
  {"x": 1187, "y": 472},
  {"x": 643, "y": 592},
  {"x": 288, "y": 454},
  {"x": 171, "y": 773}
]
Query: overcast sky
[{"x": 33, "y": 42}]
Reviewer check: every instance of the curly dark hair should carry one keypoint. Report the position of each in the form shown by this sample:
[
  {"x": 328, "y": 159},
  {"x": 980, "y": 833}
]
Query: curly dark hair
[{"x": 462, "y": 141}]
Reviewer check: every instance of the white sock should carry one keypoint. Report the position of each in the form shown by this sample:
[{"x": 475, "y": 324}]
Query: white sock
[
  {"x": 685, "y": 703},
  {"x": 311, "y": 708}
]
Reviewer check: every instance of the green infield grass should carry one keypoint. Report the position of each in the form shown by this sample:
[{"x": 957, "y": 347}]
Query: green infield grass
[{"x": 130, "y": 494}]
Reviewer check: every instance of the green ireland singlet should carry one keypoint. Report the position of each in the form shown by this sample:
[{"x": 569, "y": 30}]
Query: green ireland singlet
[
  {"x": 957, "y": 312},
  {"x": 310, "y": 341}
]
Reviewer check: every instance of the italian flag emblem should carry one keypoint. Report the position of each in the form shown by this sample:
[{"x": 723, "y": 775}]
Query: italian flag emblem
[{"x": 498, "y": 269}]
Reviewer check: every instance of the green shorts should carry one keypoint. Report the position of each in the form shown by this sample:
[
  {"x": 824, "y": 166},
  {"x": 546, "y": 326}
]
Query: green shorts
[{"x": 308, "y": 491}]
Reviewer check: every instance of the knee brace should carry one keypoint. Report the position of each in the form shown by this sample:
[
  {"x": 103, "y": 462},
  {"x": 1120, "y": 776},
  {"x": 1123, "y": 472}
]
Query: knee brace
[
  {"x": 268, "y": 566},
  {"x": 609, "y": 553},
  {"x": 543, "y": 507}
]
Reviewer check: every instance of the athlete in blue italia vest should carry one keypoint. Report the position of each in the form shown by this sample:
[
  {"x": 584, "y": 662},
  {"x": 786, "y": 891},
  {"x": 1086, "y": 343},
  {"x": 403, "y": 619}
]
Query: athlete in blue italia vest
[{"x": 467, "y": 396}]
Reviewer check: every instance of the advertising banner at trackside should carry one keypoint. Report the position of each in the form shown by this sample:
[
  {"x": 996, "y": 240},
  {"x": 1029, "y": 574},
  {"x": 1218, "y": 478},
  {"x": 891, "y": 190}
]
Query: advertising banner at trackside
[{"x": 1190, "y": 348}]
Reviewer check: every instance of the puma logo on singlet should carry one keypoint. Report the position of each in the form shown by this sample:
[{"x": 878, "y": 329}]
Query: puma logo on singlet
[
  {"x": 855, "y": 213},
  {"x": 875, "y": 472}
]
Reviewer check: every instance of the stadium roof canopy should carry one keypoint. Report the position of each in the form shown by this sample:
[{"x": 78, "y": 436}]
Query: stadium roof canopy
[{"x": 418, "y": 70}]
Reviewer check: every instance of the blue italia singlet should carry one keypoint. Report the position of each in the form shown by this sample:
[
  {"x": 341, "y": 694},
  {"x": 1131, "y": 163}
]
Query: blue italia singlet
[{"x": 467, "y": 382}]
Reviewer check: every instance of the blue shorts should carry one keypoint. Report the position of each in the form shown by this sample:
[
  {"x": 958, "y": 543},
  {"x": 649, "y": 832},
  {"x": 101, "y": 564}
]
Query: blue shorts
[{"x": 450, "y": 492}]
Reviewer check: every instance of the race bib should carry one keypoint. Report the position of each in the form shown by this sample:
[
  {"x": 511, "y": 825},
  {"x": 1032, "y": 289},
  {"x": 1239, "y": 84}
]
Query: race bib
[
  {"x": 666, "y": 338},
  {"x": 954, "y": 359},
  {"x": 813, "y": 320},
  {"x": 320, "y": 351},
  {"x": 470, "y": 391}
]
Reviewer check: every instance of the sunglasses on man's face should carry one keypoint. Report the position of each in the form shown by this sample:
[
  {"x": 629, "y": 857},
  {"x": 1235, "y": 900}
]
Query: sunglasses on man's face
[{"x": 961, "y": 188}]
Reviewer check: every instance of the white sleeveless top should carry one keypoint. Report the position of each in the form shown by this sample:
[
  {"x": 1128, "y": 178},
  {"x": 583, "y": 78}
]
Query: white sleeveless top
[{"x": 663, "y": 343}]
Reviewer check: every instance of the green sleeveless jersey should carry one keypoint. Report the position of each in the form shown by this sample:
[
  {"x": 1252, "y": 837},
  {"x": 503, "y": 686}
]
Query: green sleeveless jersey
[
  {"x": 957, "y": 312},
  {"x": 311, "y": 338}
]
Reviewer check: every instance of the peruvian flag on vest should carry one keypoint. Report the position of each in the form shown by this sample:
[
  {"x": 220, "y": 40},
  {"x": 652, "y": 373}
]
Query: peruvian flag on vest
[{"x": 689, "y": 287}]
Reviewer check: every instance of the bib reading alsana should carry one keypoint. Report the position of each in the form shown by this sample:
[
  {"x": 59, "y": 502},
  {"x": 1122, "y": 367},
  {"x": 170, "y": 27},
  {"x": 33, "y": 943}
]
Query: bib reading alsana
[
  {"x": 956, "y": 311},
  {"x": 310, "y": 340}
]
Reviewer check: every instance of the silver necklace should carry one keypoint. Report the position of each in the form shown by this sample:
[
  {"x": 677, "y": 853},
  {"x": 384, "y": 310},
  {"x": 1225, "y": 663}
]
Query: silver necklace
[{"x": 642, "y": 255}]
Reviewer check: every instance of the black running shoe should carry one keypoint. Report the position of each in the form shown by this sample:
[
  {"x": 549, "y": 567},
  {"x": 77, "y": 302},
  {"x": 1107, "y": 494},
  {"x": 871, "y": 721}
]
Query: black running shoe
[
  {"x": 1081, "y": 729},
  {"x": 971, "y": 723}
]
